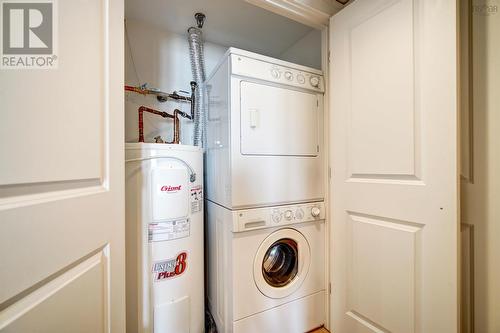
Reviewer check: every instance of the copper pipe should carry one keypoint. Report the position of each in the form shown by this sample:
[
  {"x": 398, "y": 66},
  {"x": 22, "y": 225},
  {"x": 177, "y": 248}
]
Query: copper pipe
[
  {"x": 136, "y": 89},
  {"x": 177, "y": 123},
  {"x": 177, "y": 128},
  {"x": 162, "y": 97},
  {"x": 143, "y": 109}
]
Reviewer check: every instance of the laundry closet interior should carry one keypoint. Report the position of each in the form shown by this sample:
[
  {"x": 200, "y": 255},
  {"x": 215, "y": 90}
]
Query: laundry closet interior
[{"x": 236, "y": 166}]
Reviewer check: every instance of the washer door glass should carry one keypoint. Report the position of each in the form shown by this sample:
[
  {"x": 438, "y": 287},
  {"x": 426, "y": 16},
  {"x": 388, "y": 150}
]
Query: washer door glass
[{"x": 280, "y": 263}]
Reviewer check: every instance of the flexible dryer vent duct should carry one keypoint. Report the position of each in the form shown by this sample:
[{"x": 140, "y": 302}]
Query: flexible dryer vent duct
[{"x": 195, "y": 39}]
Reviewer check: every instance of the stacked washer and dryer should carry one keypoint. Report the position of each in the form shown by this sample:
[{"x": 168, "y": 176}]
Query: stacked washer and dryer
[{"x": 265, "y": 172}]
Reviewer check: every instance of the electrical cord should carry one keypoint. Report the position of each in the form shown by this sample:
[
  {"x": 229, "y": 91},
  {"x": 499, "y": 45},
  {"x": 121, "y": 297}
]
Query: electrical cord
[{"x": 139, "y": 82}]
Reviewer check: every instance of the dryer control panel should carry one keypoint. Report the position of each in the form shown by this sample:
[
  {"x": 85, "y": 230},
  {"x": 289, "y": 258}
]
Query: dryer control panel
[
  {"x": 269, "y": 217},
  {"x": 278, "y": 71}
]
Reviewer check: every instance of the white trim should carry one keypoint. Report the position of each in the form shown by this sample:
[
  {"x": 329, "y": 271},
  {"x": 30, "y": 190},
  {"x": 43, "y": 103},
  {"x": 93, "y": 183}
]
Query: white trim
[{"x": 314, "y": 13}]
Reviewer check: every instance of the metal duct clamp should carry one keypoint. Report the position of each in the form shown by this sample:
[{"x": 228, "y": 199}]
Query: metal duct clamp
[{"x": 200, "y": 19}]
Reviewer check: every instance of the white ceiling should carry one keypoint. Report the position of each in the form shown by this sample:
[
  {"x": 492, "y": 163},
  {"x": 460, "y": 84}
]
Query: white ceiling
[{"x": 228, "y": 23}]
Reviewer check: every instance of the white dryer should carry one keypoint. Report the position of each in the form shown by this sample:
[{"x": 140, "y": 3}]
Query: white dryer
[
  {"x": 266, "y": 268},
  {"x": 264, "y": 142}
]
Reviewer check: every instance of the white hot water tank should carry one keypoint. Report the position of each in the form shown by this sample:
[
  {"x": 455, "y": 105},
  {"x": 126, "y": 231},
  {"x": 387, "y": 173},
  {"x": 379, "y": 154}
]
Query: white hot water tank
[{"x": 164, "y": 238}]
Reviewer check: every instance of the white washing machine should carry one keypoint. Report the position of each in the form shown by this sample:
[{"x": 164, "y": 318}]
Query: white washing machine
[
  {"x": 266, "y": 268},
  {"x": 264, "y": 142}
]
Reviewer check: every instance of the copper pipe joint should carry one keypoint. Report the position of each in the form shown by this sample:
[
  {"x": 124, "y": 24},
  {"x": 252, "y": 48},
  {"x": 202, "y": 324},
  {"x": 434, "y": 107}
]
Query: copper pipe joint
[{"x": 177, "y": 130}]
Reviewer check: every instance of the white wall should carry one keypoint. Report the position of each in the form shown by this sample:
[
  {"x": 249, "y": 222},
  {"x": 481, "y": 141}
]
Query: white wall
[
  {"x": 481, "y": 199},
  {"x": 306, "y": 51},
  {"x": 162, "y": 61}
]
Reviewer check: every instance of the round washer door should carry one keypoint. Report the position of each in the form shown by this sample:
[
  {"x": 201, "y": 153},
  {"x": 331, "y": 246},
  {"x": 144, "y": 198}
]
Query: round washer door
[{"x": 282, "y": 263}]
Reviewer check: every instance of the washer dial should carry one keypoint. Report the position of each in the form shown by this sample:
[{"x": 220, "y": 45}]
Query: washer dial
[
  {"x": 315, "y": 211},
  {"x": 276, "y": 216}
]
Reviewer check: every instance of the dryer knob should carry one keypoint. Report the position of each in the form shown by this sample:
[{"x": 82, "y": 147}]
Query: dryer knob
[
  {"x": 314, "y": 81},
  {"x": 288, "y": 215},
  {"x": 275, "y": 73},
  {"x": 301, "y": 79},
  {"x": 315, "y": 211}
]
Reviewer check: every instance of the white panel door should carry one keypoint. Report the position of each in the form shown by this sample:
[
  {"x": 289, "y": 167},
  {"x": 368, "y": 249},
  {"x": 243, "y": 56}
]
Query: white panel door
[
  {"x": 394, "y": 167},
  {"x": 62, "y": 180}
]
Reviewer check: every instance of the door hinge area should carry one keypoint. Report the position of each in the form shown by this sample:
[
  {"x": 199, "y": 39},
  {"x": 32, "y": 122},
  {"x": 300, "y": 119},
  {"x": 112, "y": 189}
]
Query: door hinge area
[
  {"x": 329, "y": 56},
  {"x": 329, "y": 172},
  {"x": 330, "y": 288}
]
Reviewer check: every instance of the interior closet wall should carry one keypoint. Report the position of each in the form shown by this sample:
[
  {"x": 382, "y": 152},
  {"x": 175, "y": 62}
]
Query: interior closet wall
[
  {"x": 300, "y": 52},
  {"x": 161, "y": 60},
  {"x": 481, "y": 184}
]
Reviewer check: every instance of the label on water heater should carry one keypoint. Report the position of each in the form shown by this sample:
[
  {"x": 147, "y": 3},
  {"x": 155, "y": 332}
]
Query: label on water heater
[
  {"x": 170, "y": 230},
  {"x": 170, "y": 268},
  {"x": 169, "y": 194},
  {"x": 196, "y": 195}
]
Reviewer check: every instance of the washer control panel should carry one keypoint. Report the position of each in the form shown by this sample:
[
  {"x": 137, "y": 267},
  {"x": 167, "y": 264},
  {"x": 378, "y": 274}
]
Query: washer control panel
[
  {"x": 298, "y": 213},
  {"x": 259, "y": 218},
  {"x": 299, "y": 77}
]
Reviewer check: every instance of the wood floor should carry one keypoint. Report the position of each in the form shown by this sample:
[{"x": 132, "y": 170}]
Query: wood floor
[{"x": 320, "y": 330}]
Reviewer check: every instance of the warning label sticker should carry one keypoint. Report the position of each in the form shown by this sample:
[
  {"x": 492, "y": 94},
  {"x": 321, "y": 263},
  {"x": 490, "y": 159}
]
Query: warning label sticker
[
  {"x": 196, "y": 199},
  {"x": 170, "y": 230},
  {"x": 167, "y": 269}
]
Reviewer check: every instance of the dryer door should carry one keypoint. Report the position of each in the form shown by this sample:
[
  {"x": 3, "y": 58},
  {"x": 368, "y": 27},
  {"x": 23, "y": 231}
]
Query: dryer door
[
  {"x": 278, "y": 121},
  {"x": 281, "y": 263}
]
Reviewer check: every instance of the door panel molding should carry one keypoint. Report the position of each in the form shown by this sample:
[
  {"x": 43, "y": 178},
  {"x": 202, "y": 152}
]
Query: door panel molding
[
  {"x": 22, "y": 195},
  {"x": 377, "y": 150},
  {"x": 14, "y": 309},
  {"x": 76, "y": 150},
  {"x": 466, "y": 57},
  {"x": 467, "y": 278},
  {"x": 383, "y": 266},
  {"x": 373, "y": 327}
]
